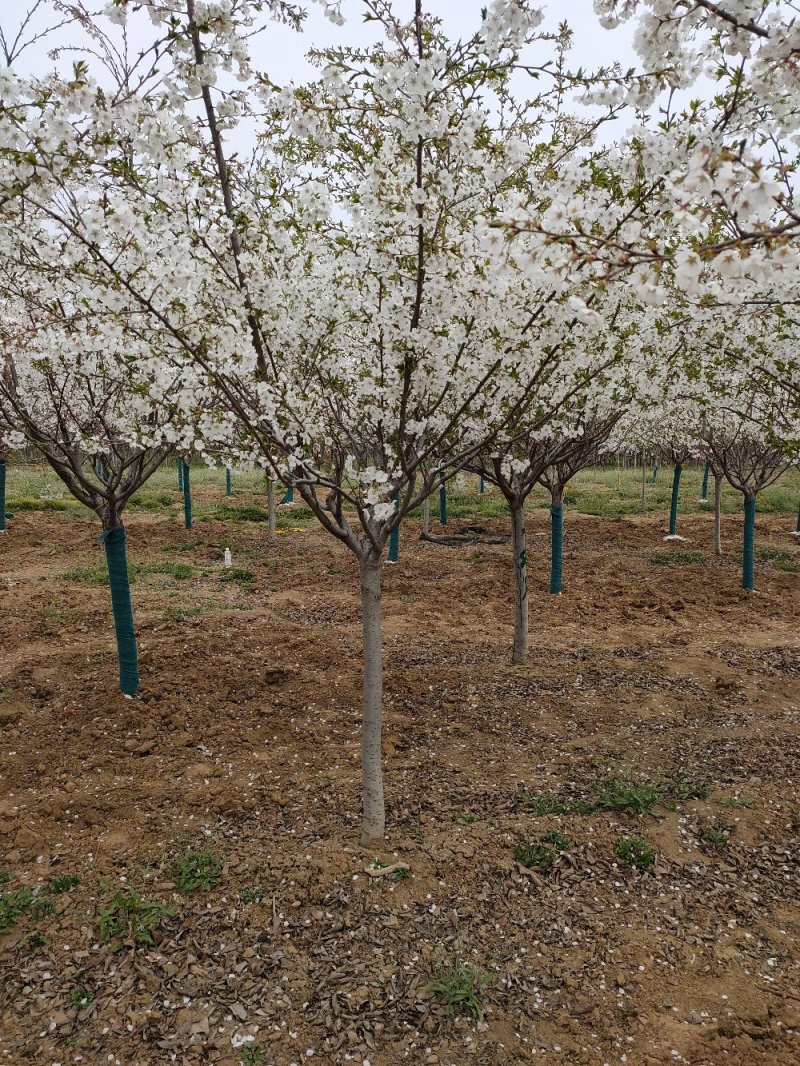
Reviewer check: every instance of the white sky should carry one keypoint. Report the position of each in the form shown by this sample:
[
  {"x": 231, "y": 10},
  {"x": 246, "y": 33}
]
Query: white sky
[{"x": 281, "y": 52}]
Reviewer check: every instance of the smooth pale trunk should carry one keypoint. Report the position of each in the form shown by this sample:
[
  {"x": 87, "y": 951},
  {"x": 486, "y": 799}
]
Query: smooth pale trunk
[
  {"x": 519, "y": 547},
  {"x": 127, "y": 654},
  {"x": 374, "y": 820},
  {"x": 749, "y": 544},
  {"x": 717, "y": 513},
  {"x": 270, "y": 512}
]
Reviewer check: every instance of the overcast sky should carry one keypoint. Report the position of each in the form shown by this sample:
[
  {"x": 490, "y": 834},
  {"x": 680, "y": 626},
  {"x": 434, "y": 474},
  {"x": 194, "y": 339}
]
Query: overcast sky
[{"x": 281, "y": 52}]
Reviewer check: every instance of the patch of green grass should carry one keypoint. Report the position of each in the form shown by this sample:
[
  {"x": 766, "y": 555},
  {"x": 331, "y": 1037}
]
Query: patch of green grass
[
  {"x": 5, "y": 876},
  {"x": 466, "y": 818},
  {"x": 33, "y": 942},
  {"x": 151, "y": 503},
  {"x": 738, "y": 803},
  {"x": 676, "y": 558},
  {"x": 197, "y": 871},
  {"x": 684, "y": 788},
  {"x": 236, "y": 573},
  {"x": 13, "y": 905},
  {"x": 80, "y": 997},
  {"x": 174, "y": 613},
  {"x": 41, "y": 908},
  {"x": 88, "y": 575},
  {"x": 252, "y": 895},
  {"x": 98, "y": 575},
  {"x": 616, "y": 793},
  {"x": 544, "y": 805},
  {"x": 460, "y": 987},
  {"x": 777, "y": 555},
  {"x": 252, "y": 1054},
  {"x": 20, "y": 504},
  {"x": 789, "y": 568},
  {"x": 560, "y": 841},
  {"x": 62, "y": 883},
  {"x": 128, "y": 917},
  {"x": 715, "y": 838},
  {"x": 635, "y": 852},
  {"x": 542, "y": 856}
]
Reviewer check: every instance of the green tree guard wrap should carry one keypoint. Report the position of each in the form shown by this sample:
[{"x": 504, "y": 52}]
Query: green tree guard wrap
[
  {"x": 394, "y": 538},
  {"x": 2, "y": 495},
  {"x": 556, "y": 547},
  {"x": 180, "y": 474},
  {"x": 483, "y": 484},
  {"x": 655, "y": 474},
  {"x": 442, "y": 500},
  {"x": 749, "y": 546},
  {"x": 288, "y": 496},
  {"x": 704, "y": 489},
  {"x": 227, "y": 481},
  {"x": 673, "y": 508},
  {"x": 127, "y": 655},
  {"x": 797, "y": 527},
  {"x": 187, "y": 496}
]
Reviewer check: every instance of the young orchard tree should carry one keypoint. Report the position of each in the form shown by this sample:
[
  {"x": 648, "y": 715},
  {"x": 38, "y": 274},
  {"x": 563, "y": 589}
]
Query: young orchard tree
[
  {"x": 72, "y": 394},
  {"x": 750, "y": 457},
  {"x": 576, "y": 449}
]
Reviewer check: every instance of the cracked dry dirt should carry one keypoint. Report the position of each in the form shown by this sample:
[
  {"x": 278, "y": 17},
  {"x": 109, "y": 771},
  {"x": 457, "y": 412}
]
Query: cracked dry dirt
[{"x": 245, "y": 742}]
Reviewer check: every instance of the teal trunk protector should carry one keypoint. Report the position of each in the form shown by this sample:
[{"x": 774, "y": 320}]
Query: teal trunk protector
[{"x": 113, "y": 541}]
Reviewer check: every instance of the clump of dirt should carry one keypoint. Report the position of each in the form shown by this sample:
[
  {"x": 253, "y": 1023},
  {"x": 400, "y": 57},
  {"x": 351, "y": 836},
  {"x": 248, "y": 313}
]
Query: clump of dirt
[{"x": 659, "y": 704}]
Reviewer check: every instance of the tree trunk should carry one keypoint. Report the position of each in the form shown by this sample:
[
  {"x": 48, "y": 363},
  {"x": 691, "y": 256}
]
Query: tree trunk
[
  {"x": 113, "y": 540},
  {"x": 644, "y": 476},
  {"x": 673, "y": 510},
  {"x": 749, "y": 544},
  {"x": 442, "y": 500},
  {"x": 704, "y": 488},
  {"x": 717, "y": 513},
  {"x": 270, "y": 512},
  {"x": 374, "y": 821},
  {"x": 520, "y": 653},
  {"x": 556, "y": 539},
  {"x": 187, "y": 494},
  {"x": 394, "y": 537},
  {"x": 426, "y": 516},
  {"x": 2, "y": 494}
]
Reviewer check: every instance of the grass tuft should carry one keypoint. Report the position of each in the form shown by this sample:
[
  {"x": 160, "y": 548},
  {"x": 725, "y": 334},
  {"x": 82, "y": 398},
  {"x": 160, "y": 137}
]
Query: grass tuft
[
  {"x": 197, "y": 871},
  {"x": 128, "y": 917},
  {"x": 635, "y": 852},
  {"x": 460, "y": 987}
]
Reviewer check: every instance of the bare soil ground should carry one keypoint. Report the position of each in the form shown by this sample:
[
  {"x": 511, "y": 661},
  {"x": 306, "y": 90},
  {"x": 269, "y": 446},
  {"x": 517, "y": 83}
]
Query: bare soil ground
[{"x": 244, "y": 744}]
